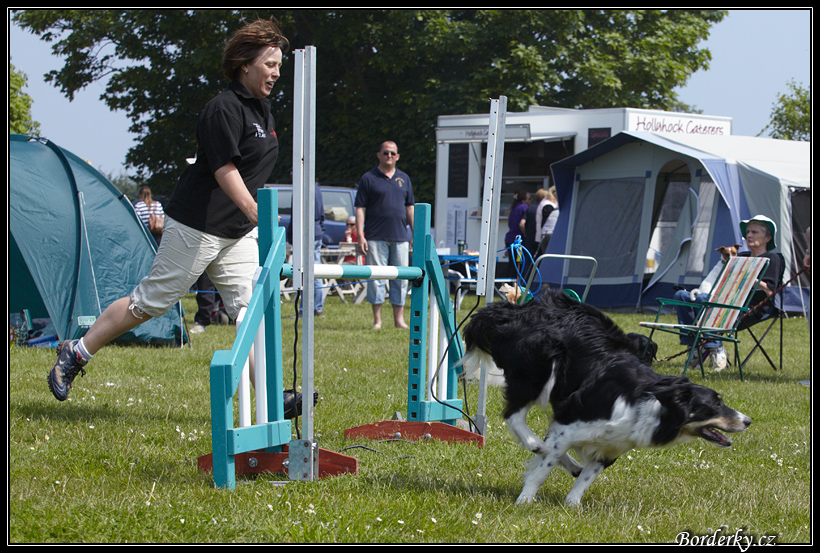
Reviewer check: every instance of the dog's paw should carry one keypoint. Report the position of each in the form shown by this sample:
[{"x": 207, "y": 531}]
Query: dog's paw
[
  {"x": 572, "y": 501},
  {"x": 525, "y": 499},
  {"x": 533, "y": 444},
  {"x": 539, "y": 449}
]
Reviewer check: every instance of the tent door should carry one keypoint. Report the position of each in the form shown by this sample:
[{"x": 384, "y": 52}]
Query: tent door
[{"x": 671, "y": 192}]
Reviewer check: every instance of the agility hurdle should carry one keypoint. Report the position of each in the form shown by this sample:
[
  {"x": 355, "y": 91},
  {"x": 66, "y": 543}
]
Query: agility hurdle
[
  {"x": 427, "y": 416},
  {"x": 267, "y": 445}
]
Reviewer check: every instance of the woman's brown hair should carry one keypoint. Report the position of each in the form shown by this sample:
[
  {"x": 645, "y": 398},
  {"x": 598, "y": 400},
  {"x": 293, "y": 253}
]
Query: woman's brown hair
[{"x": 244, "y": 45}]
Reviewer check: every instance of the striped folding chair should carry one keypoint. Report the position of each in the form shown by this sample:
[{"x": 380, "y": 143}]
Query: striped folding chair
[{"x": 720, "y": 315}]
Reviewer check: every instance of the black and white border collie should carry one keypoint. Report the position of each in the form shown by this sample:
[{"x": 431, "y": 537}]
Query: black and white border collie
[{"x": 605, "y": 401}]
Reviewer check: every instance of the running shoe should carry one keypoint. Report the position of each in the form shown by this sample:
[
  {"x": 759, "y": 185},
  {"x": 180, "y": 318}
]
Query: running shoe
[{"x": 65, "y": 370}]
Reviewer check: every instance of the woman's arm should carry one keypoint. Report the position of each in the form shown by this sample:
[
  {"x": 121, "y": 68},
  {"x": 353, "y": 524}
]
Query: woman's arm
[{"x": 232, "y": 184}]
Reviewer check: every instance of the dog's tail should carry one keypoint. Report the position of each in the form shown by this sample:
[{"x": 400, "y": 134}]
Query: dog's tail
[
  {"x": 472, "y": 360},
  {"x": 485, "y": 327}
]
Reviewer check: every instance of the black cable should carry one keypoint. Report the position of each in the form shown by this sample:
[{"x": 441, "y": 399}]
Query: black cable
[
  {"x": 295, "y": 348},
  {"x": 441, "y": 362}
]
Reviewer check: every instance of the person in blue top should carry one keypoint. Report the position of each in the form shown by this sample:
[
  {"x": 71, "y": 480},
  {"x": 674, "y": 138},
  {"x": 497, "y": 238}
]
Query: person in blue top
[
  {"x": 384, "y": 209},
  {"x": 211, "y": 218},
  {"x": 516, "y": 225}
]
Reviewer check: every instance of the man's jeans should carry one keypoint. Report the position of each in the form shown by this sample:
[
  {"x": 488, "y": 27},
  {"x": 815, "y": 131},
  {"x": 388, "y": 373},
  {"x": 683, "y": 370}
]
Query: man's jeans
[
  {"x": 394, "y": 254},
  {"x": 686, "y": 316}
]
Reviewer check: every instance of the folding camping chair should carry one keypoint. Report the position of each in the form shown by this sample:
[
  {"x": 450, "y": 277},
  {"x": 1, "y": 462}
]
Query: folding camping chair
[
  {"x": 719, "y": 317},
  {"x": 344, "y": 287},
  {"x": 768, "y": 310},
  {"x": 565, "y": 257}
]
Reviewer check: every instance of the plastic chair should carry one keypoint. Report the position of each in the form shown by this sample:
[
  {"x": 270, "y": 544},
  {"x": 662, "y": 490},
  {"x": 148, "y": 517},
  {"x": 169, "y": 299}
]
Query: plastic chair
[{"x": 720, "y": 315}]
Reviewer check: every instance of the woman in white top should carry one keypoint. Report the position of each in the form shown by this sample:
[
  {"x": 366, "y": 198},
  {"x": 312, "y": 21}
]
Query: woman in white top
[
  {"x": 545, "y": 217},
  {"x": 147, "y": 206}
]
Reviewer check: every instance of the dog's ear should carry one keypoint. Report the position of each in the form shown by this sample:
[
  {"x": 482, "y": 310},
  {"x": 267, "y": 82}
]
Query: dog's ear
[
  {"x": 640, "y": 343},
  {"x": 653, "y": 349},
  {"x": 672, "y": 390},
  {"x": 674, "y": 394}
]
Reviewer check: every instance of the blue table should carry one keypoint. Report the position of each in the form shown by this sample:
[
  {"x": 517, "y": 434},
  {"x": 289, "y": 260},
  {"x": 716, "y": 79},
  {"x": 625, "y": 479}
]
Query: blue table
[{"x": 466, "y": 281}]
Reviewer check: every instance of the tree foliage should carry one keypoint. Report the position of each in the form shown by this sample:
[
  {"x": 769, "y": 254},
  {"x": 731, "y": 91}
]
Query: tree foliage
[
  {"x": 382, "y": 74},
  {"x": 20, "y": 121},
  {"x": 791, "y": 115}
]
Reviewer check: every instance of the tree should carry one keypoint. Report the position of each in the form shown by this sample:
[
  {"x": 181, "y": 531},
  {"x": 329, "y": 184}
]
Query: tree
[
  {"x": 391, "y": 73},
  {"x": 20, "y": 121},
  {"x": 382, "y": 74},
  {"x": 791, "y": 115}
]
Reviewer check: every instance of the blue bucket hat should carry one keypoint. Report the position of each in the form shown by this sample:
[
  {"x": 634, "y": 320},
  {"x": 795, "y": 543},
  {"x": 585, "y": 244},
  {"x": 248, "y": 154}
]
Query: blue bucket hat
[{"x": 762, "y": 219}]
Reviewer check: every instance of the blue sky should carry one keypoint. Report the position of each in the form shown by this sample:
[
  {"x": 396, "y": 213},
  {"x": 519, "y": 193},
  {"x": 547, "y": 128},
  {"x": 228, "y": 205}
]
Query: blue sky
[{"x": 755, "y": 53}]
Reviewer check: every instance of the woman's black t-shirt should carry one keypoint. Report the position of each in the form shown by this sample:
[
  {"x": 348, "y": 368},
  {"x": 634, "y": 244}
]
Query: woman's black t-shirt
[{"x": 236, "y": 127}]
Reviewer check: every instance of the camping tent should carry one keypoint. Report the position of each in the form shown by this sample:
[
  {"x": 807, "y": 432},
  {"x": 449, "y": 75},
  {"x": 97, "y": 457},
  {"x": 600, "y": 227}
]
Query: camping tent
[
  {"x": 75, "y": 244},
  {"x": 653, "y": 208}
]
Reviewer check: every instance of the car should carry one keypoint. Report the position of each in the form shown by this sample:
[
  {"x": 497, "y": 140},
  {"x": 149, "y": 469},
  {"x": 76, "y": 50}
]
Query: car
[{"x": 339, "y": 204}]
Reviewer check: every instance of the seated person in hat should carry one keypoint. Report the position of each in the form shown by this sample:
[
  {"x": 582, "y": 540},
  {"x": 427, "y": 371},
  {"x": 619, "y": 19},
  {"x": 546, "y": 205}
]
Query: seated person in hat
[{"x": 760, "y": 232}]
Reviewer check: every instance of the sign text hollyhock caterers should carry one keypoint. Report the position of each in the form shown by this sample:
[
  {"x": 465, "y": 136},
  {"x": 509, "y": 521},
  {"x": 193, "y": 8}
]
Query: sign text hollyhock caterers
[{"x": 679, "y": 125}]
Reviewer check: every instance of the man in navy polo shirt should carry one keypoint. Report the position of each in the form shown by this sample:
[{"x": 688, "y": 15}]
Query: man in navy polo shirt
[{"x": 384, "y": 210}]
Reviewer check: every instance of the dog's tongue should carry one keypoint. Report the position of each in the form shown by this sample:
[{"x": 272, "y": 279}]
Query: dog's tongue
[{"x": 714, "y": 436}]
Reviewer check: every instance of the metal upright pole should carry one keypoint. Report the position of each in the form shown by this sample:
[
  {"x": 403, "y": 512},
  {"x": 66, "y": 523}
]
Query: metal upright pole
[
  {"x": 304, "y": 452},
  {"x": 489, "y": 230},
  {"x": 490, "y": 205}
]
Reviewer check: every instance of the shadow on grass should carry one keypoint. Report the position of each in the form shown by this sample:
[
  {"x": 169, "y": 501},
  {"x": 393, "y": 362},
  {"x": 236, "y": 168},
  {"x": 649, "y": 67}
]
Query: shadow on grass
[
  {"x": 68, "y": 412},
  {"x": 411, "y": 482}
]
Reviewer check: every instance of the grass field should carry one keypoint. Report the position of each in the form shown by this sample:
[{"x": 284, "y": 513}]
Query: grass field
[{"x": 116, "y": 463}]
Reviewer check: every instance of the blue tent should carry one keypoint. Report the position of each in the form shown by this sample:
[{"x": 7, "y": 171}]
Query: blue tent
[
  {"x": 75, "y": 244},
  {"x": 652, "y": 209}
]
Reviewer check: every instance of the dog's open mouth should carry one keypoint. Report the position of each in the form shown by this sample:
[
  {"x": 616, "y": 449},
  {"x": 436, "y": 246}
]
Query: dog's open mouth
[{"x": 711, "y": 434}]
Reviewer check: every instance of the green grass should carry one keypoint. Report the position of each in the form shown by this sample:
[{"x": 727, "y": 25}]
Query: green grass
[{"x": 116, "y": 462}]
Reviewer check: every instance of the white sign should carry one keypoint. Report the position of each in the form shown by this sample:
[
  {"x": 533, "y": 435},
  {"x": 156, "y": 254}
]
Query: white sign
[
  {"x": 480, "y": 134},
  {"x": 456, "y": 222},
  {"x": 663, "y": 123}
]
